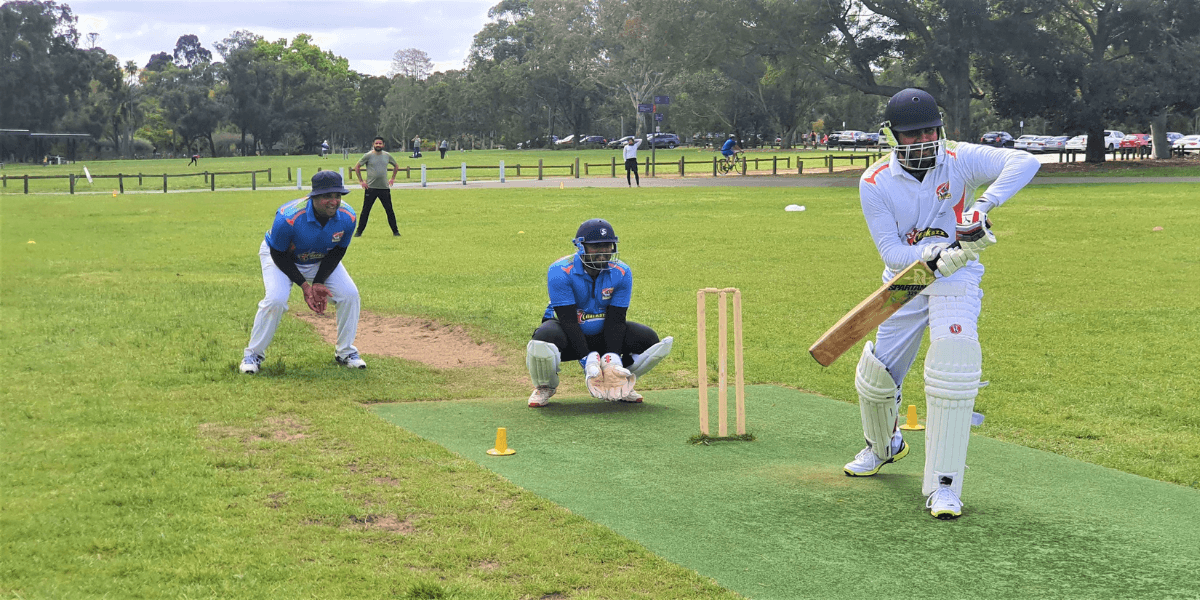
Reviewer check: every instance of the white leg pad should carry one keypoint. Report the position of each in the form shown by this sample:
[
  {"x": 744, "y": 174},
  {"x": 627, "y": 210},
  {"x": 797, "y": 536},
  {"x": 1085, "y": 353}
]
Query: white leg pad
[
  {"x": 876, "y": 402},
  {"x": 642, "y": 363},
  {"x": 542, "y": 359},
  {"x": 953, "y": 367}
]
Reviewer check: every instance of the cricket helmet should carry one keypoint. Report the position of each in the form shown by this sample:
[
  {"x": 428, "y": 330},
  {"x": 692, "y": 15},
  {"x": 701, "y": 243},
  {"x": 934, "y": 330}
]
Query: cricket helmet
[
  {"x": 912, "y": 110},
  {"x": 596, "y": 231}
]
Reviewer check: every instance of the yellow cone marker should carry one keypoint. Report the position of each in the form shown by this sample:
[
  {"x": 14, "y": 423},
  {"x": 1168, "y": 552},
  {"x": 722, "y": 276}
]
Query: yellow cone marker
[
  {"x": 561, "y": 186},
  {"x": 912, "y": 424},
  {"x": 114, "y": 193},
  {"x": 501, "y": 448}
]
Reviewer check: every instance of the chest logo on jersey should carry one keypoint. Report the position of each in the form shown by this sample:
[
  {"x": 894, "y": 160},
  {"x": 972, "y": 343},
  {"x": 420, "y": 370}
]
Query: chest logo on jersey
[
  {"x": 914, "y": 236},
  {"x": 606, "y": 293},
  {"x": 307, "y": 256},
  {"x": 586, "y": 316},
  {"x": 943, "y": 191},
  {"x": 337, "y": 237}
]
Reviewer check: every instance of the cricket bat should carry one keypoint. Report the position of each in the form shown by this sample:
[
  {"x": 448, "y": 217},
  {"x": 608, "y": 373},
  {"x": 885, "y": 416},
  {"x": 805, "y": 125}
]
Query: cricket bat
[{"x": 871, "y": 312}]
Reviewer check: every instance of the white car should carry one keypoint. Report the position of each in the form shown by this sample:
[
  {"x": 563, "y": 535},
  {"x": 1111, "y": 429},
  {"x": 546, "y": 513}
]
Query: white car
[
  {"x": 1024, "y": 141},
  {"x": 1054, "y": 143},
  {"x": 1187, "y": 144},
  {"x": 1112, "y": 140}
]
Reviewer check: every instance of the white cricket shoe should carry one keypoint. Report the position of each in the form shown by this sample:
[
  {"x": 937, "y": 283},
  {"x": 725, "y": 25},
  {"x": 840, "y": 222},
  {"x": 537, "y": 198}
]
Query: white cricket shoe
[
  {"x": 867, "y": 463},
  {"x": 943, "y": 503},
  {"x": 633, "y": 397},
  {"x": 351, "y": 361},
  {"x": 250, "y": 364},
  {"x": 541, "y": 396}
]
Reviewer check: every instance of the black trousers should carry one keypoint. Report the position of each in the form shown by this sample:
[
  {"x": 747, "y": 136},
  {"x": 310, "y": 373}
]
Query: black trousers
[
  {"x": 638, "y": 339},
  {"x": 631, "y": 166},
  {"x": 443, "y": 151},
  {"x": 385, "y": 198}
]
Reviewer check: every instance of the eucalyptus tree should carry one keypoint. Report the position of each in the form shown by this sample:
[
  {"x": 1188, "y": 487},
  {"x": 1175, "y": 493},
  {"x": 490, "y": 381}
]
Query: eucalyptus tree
[
  {"x": 1087, "y": 63},
  {"x": 43, "y": 72}
]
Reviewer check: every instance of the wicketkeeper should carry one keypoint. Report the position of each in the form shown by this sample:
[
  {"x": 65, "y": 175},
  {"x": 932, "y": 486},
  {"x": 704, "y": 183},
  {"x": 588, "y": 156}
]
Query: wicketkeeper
[
  {"x": 917, "y": 202},
  {"x": 589, "y": 298}
]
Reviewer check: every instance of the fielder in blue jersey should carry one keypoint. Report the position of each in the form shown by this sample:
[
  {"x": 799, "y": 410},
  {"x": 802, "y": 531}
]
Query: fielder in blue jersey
[
  {"x": 305, "y": 246},
  {"x": 590, "y": 293}
]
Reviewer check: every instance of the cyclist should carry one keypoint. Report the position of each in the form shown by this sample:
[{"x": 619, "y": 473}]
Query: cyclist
[{"x": 730, "y": 149}]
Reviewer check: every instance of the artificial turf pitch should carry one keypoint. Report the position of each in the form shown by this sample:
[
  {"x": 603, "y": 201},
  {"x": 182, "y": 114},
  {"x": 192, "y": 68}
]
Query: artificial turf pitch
[{"x": 776, "y": 518}]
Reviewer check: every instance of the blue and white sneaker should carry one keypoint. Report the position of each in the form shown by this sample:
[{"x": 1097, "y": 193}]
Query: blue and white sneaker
[
  {"x": 351, "y": 361},
  {"x": 250, "y": 364}
]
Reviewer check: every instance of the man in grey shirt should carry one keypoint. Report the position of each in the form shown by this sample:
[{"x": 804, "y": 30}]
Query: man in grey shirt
[{"x": 377, "y": 184}]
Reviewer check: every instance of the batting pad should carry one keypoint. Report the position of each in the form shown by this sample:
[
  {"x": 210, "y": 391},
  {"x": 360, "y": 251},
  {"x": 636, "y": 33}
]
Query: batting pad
[
  {"x": 876, "y": 402},
  {"x": 953, "y": 366},
  {"x": 542, "y": 359},
  {"x": 647, "y": 360}
]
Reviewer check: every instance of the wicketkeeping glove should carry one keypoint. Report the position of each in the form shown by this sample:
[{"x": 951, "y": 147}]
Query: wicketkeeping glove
[
  {"x": 946, "y": 259},
  {"x": 614, "y": 383},
  {"x": 591, "y": 365},
  {"x": 975, "y": 231}
]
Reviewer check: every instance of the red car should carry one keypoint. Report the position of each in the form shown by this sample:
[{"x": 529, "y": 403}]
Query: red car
[{"x": 1135, "y": 140}]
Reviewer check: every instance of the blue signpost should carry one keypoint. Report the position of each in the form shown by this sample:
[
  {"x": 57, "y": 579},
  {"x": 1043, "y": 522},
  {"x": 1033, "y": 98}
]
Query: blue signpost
[
  {"x": 645, "y": 108},
  {"x": 662, "y": 99}
]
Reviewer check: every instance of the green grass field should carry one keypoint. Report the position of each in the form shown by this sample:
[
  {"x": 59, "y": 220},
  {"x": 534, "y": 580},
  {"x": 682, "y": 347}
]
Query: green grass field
[{"x": 136, "y": 462}]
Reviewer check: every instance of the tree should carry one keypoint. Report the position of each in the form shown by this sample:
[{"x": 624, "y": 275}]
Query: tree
[
  {"x": 158, "y": 62},
  {"x": 411, "y": 62},
  {"x": 1084, "y": 64},
  {"x": 404, "y": 105},
  {"x": 189, "y": 52},
  {"x": 42, "y": 72}
]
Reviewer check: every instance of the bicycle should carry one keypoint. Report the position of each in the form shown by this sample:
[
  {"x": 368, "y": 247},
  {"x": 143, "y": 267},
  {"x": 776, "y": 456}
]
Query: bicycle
[{"x": 725, "y": 165}]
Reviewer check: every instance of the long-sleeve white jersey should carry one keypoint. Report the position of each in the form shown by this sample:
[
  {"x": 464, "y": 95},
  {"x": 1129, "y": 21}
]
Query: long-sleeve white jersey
[
  {"x": 904, "y": 214},
  {"x": 631, "y": 151}
]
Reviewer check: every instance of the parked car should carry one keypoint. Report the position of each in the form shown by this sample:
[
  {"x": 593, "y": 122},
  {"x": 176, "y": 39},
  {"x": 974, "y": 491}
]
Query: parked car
[
  {"x": 620, "y": 142},
  {"x": 1023, "y": 142},
  {"x": 999, "y": 139},
  {"x": 851, "y": 137},
  {"x": 1054, "y": 143},
  {"x": 1172, "y": 136},
  {"x": 662, "y": 140},
  {"x": 869, "y": 139},
  {"x": 1186, "y": 144},
  {"x": 1078, "y": 142},
  {"x": 832, "y": 139},
  {"x": 592, "y": 141},
  {"x": 567, "y": 141},
  {"x": 1135, "y": 140},
  {"x": 1112, "y": 139}
]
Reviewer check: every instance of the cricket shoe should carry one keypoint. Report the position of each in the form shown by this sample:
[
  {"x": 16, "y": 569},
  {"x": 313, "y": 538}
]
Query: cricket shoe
[
  {"x": 541, "y": 396},
  {"x": 351, "y": 361},
  {"x": 633, "y": 397},
  {"x": 250, "y": 364},
  {"x": 943, "y": 503},
  {"x": 867, "y": 463}
]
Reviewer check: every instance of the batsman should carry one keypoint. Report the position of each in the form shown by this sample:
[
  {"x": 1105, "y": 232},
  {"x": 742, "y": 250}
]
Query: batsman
[
  {"x": 918, "y": 201},
  {"x": 590, "y": 292}
]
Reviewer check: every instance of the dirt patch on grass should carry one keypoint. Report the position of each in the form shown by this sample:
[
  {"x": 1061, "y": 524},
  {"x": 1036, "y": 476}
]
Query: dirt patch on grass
[
  {"x": 421, "y": 340},
  {"x": 276, "y": 429},
  {"x": 382, "y": 522}
]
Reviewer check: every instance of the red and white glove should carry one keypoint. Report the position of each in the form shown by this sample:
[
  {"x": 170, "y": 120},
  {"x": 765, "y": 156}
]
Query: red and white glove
[
  {"x": 613, "y": 381},
  {"x": 974, "y": 231}
]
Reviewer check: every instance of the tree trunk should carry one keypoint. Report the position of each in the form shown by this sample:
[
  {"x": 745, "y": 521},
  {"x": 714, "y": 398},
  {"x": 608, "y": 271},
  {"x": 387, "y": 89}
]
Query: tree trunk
[
  {"x": 1095, "y": 145},
  {"x": 1158, "y": 136}
]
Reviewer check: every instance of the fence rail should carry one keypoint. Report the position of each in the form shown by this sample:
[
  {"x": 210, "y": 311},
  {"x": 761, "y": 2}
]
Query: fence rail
[{"x": 749, "y": 165}]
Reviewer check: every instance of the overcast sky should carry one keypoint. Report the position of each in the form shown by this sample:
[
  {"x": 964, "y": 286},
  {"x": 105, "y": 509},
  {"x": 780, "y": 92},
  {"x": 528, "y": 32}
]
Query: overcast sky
[{"x": 366, "y": 32}]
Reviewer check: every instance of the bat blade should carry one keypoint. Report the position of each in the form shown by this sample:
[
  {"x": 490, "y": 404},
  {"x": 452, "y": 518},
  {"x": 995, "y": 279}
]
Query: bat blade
[{"x": 871, "y": 312}]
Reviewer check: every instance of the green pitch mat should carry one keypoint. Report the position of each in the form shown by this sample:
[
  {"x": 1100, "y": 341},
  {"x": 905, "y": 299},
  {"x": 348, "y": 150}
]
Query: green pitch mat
[{"x": 776, "y": 518}]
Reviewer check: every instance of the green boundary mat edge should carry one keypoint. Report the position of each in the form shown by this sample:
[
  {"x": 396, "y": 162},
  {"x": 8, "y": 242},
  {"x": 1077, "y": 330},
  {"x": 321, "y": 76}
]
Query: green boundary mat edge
[{"x": 777, "y": 518}]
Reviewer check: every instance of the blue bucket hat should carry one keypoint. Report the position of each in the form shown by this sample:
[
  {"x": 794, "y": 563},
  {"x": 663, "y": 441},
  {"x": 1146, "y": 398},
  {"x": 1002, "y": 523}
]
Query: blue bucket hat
[{"x": 327, "y": 182}]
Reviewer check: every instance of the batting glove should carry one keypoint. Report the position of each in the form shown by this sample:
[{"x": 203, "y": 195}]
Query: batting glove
[
  {"x": 945, "y": 260},
  {"x": 975, "y": 231}
]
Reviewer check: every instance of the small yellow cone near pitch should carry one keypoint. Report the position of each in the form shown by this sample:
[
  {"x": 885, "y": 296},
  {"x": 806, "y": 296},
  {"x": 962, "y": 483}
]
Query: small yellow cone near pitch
[
  {"x": 501, "y": 448},
  {"x": 561, "y": 186},
  {"x": 912, "y": 424}
]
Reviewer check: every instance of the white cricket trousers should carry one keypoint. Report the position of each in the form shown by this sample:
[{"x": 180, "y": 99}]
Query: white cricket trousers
[
  {"x": 899, "y": 337},
  {"x": 275, "y": 303}
]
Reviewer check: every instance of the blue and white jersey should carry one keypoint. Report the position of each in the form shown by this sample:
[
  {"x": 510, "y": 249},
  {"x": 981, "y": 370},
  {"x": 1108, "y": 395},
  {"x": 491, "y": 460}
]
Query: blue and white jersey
[
  {"x": 569, "y": 283},
  {"x": 297, "y": 232}
]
